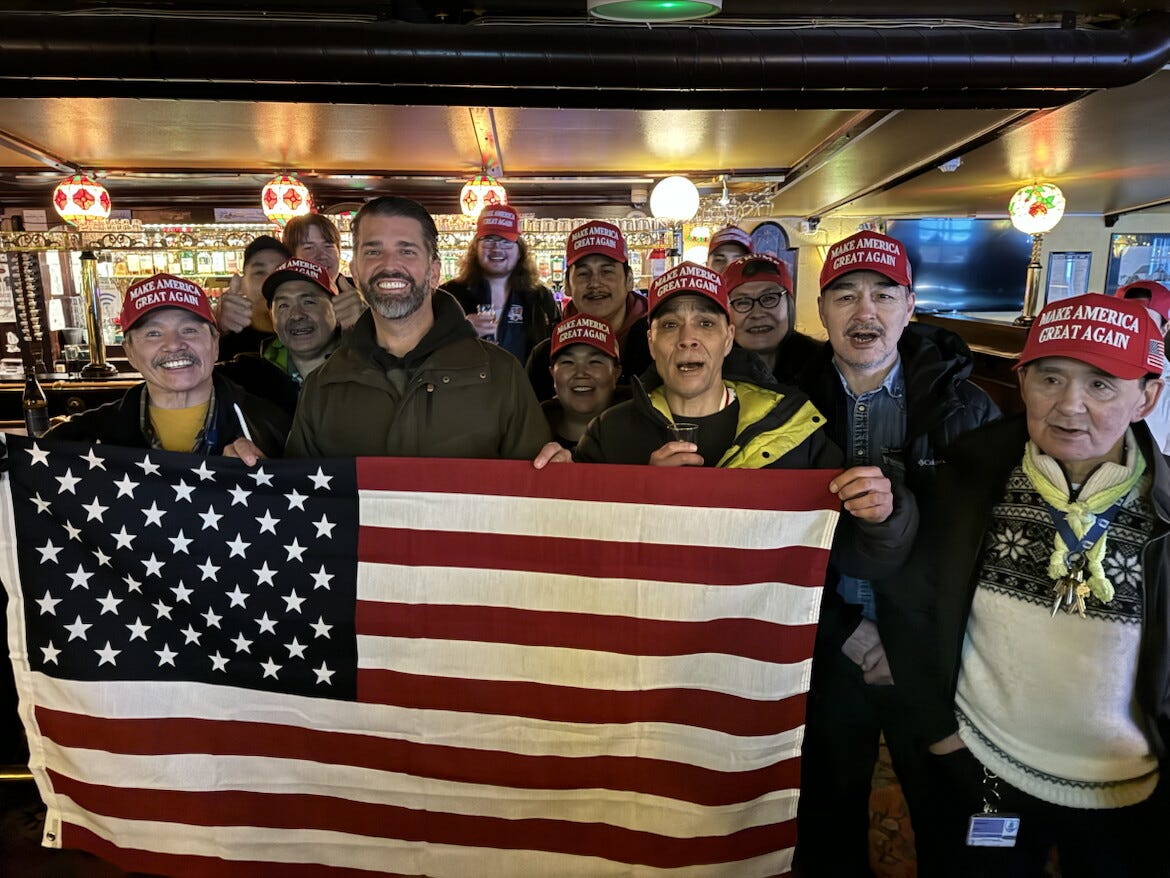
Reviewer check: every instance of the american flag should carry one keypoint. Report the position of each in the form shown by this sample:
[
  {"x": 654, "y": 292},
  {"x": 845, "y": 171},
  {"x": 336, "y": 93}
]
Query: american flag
[{"x": 412, "y": 667}]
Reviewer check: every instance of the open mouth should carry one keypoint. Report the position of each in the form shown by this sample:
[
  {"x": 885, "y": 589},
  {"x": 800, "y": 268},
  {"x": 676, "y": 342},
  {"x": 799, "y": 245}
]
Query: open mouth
[
  {"x": 582, "y": 388},
  {"x": 689, "y": 367},
  {"x": 302, "y": 330},
  {"x": 865, "y": 336},
  {"x": 761, "y": 329}
]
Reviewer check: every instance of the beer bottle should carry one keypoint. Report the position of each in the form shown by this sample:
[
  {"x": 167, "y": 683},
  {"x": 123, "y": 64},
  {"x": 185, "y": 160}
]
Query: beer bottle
[{"x": 36, "y": 405}]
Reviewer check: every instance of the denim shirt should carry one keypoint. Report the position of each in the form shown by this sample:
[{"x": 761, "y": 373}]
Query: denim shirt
[{"x": 875, "y": 433}]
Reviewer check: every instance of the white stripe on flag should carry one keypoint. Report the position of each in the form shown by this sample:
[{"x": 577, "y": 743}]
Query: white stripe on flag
[
  {"x": 636, "y": 811},
  {"x": 671, "y": 742},
  {"x": 775, "y": 602},
  {"x": 346, "y": 851},
  {"x": 583, "y": 519},
  {"x": 586, "y": 669}
]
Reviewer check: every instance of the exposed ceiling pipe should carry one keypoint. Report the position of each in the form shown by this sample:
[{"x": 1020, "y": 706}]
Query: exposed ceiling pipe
[{"x": 551, "y": 65}]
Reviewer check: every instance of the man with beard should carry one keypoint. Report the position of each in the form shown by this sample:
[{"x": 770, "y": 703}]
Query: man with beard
[
  {"x": 171, "y": 339},
  {"x": 895, "y": 393},
  {"x": 412, "y": 378},
  {"x": 499, "y": 288},
  {"x": 300, "y": 301}
]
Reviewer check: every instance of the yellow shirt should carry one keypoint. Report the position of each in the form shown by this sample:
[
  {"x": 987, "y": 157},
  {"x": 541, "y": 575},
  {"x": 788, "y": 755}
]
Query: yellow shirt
[{"x": 177, "y": 428}]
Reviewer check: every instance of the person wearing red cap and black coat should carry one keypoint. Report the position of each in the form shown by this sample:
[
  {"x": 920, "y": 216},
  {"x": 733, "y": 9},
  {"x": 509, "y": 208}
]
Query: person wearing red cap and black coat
[
  {"x": 1037, "y": 610},
  {"x": 600, "y": 283},
  {"x": 759, "y": 290},
  {"x": 300, "y": 299},
  {"x": 171, "y": 339},
  {"x": 498, "y": 285},
  {"x": 585, "y": 370},
  {"x": 895, "y": 393}
]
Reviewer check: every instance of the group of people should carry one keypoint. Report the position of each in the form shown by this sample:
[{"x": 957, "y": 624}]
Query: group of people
[{"x": 997, "y": 603}]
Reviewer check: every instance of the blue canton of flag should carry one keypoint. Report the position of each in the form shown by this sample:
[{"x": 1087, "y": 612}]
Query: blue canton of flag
[{"x": 147, "y": 565}]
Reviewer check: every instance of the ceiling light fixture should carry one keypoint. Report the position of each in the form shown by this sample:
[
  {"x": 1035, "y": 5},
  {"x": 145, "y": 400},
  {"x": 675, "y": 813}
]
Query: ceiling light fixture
[
  {"x": 653, "y": 11},
  {"x": 80, "y": 200},
  {"x": 674, "y": 199},
  {"x": 482, "y": 190},
  {"x": 285, "y": 197}
]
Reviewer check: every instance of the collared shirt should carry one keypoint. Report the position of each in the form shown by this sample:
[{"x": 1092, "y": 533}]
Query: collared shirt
[{"x": 875, "y": 433}]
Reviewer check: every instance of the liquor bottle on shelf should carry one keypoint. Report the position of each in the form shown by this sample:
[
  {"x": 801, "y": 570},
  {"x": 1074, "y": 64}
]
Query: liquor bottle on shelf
[
  {"x": 203, "y": 262},
  {"x": 558, "y": 268},
  {"x": 35, "y": 404},
  {"x": 187, "y": 262}
]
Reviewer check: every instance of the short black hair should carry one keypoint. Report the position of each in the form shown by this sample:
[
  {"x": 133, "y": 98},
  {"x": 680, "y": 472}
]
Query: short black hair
[
  {"x": 702, "y": 303},
  {"x": 265, "y": 242},
  {"x": 396, "y": 205}
]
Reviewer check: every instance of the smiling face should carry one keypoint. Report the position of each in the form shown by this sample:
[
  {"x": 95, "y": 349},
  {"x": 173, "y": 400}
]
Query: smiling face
[
  {"x": 1078, "y": 414},
  {"x": 393, "y": 266},
  {"x": 315, "y": 247},
  {"x": 302, "y": 314},
  {"x": 865, "y": 313},
  {"x": 175, "y": 351},
  {"x": 764, "y": 326},
  {"x": 497, "y": 256},
  {"x": 599, "y": 286},
  {"x": 689, "y": 338},
  {"x": 585, "y": 379}
]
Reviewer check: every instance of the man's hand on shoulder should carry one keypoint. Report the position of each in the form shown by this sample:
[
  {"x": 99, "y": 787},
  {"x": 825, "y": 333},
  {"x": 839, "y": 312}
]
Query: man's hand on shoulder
[{"x": 865, "y": 493}]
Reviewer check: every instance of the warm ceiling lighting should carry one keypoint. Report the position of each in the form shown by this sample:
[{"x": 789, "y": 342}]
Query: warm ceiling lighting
[
  {"x": 285, "y": 197},
  {"x": 650, "y": 11},
  {"x": 674, "y": 199},
  {"x": 80, "y": 200},
  {"x": 479, "y": 192}
]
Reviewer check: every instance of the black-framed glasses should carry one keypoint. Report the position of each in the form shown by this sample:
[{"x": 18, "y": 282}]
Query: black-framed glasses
[
  {"x": 744, "y": 304},
  {"x": 494, "y": 243}
]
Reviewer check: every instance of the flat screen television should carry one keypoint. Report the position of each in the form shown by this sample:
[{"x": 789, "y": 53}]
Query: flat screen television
[{"x": 965, "y": 264}]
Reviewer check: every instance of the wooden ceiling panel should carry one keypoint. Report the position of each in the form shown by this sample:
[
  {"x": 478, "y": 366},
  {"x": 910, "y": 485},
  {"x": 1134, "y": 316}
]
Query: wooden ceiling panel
[{"x": 574, "y": 142}]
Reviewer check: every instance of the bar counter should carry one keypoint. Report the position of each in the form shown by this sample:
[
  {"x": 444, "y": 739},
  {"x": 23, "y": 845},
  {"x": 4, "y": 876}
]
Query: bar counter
[{"x": 996, "y": 343}]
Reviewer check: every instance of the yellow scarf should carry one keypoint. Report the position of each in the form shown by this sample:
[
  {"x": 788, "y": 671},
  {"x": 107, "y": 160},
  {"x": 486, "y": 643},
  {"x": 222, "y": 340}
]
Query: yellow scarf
[{"x": 1108, "y": 484}]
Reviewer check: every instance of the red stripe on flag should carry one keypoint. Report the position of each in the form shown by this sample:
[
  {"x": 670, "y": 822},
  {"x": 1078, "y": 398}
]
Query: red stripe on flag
[
  {"x": 697, "y": 486},
  {"x": 603, "y": 559},
  {"x": 749, "y": 638},
  {"x": 324, "y": 813},
  {"x": 191, "y": 866},
  {"x": 656, "y": 777},
  {"x": 692, "y": 707}
]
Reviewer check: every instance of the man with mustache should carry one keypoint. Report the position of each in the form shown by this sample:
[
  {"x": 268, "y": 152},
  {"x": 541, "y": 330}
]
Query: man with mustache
[
  {"x": 412, "y": 378},
  {"x": 171, "y": 339},
  {"x": 894, "y": 393}
]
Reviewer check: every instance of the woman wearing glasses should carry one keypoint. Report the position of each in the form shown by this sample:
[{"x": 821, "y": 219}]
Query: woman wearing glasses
[
  {"x": 499, "y": 287},
  {"x": 759, "y": 290}
]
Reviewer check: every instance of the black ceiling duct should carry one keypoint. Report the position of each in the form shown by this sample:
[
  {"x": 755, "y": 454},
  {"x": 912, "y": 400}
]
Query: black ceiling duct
[{"x": 573, "y": 65}]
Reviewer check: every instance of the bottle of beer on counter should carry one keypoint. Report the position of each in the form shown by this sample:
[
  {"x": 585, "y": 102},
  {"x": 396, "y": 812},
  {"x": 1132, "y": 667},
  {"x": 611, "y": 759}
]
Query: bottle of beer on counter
[{"x": 36, "y": 405}]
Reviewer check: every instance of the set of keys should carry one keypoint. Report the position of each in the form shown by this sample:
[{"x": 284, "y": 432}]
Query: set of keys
[{"x": 1071, "y": 590}]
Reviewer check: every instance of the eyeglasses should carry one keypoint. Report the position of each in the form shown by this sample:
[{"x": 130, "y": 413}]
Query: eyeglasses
[
  {"x": 744, "y": 304},
  {"x": 496, "y": 243}
]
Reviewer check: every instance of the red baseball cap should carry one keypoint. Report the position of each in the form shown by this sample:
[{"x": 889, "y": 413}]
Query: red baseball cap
[
  {"x": 163, "y": 291},
  {"x": 730, "y": 235},
  {"x": 583, "y": 329},
  {"x": 1159, "y": 296},
  {"x": 1118, "y": 336},
  {"x": 501, "y": 220},
  {"x": 599, "y": 237},
  {"x": 296, "y": 269},
  {"x": 756, "y": 267},
  {"x": 689, "y": 277},
  {"x": 868, "y": 251}
]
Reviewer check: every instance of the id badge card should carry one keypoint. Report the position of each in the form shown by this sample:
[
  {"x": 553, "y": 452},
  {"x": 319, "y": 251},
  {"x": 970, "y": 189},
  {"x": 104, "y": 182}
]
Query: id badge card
[{"x": 992, "y": 830}]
